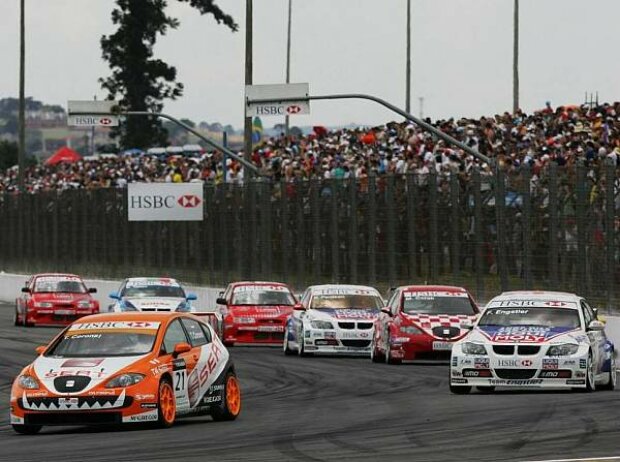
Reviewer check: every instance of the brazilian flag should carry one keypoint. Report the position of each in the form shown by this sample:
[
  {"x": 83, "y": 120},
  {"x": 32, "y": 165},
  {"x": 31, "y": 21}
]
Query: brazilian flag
[{"x": 257, "y": 131}]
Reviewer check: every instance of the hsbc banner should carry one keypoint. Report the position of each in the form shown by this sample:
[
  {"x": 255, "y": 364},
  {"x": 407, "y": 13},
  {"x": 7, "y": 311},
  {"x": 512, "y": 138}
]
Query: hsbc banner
[{"x": 165, "y": 201}]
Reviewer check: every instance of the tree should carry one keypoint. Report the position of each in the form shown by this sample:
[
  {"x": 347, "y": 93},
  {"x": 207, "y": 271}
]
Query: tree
[
  {"x": 8, "y": 154},
  {"x": 140, "y": 81}
]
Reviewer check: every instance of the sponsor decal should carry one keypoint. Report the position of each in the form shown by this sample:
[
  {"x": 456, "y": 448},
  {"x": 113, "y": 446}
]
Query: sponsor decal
[
  {"x": 152, "y": 282},
  {"x": 158, "y": 370},
  {"x": 212, "y": 361},
  {"x": 456, "y": 373},
  {"x": 114, "y": 325},
  {"x": 517, "y": 303},
  {"x": 515, "y": 382},
  {"x": 457, "y": 380},
  {"x": 144, "y": 417},
  {"x": 211, "y": 399},
  {"x": 455, "y": 361},
  {"x": 575, "y": 382},
  {"x": 81, "y": 362},
  {"x": 549, "y": 374},
  {"x": 52, "y": 373},
  {"x": 526, "y": 363},
  {"x": 350, "y": 313},
  {"x": 569, "y": 362},
  {"x": 58, "y": 279},
  {"x": 148, "y": 405},
  {"x": 178, "y": 364},
  {"x": 550, "y": 363},
  {"x": 260, "y": 288},
  {"x": 580, "y": 374},
  {"x": 36, "y": 394},
  {"x": 481, "y": 363},
  {"x": 144, "y": 397},
  {"x": 583, "y": 363},
  {"x": 523, "y": 334},
  {"x": 102, "y": 393},
  {"x": 343, "y": 291},
  {"x": 431, "y": 295}
]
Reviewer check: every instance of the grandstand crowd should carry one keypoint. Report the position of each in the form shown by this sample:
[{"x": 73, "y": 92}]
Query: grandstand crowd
[{"x": 563, "y": 135}]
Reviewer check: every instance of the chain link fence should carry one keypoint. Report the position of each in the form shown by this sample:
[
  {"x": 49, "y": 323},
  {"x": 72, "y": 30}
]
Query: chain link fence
[{"x": 555, "y": 229}]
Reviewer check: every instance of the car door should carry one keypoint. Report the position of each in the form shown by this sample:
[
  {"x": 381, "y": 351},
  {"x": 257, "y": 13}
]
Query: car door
[
  {"x": 296, "y": 319},
  {"x": 182, "y": 365},
  {"x": 598, "y": 339}
]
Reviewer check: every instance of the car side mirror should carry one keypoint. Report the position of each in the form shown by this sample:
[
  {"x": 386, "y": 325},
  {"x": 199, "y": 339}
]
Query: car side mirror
[
  {"x": 26, "y": 290},
  {"x": 40, "y": 349},
  {"x": 595, "y": 312},
  {"x": 386, "y": 311},
  {"x": 467, "y": 325},
  {"x": 221, "y": 301},
  {"x": 92, "y": 290},
  {"x": 298, "y": 307},
  {"x": 114, "y": 296},
  {"x": 596, "y": 326},
  {"x": 191, "y": 297},
  {"x": 181, "y": 348}
]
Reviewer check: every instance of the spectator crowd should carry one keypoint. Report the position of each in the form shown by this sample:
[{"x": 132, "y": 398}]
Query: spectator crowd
[{"x": 563, "y": 135}]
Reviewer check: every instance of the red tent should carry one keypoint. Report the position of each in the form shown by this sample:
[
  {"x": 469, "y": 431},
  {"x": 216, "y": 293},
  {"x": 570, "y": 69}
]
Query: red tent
[{"x": 64, "y": 154}]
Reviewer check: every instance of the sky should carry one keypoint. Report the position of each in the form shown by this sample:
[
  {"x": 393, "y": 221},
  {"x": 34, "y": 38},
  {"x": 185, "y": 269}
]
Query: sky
[{"x": 461, "y": 55}]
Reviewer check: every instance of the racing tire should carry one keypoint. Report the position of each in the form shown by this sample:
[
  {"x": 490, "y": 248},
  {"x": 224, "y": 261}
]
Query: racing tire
[
  {"x": 375, "y": 356},
  {"x": 300, "y": 346},
  {"x": 456, "y": 390},
  {"x": 388, "y": 354},
  {"x": 166, "y": 404},
  {"x": 611, "y": 384},
  {"x": 229, "y": 344},
  {"x": 286, "y": 347},
  {"x": 230, "y": 407},
  {"x": 27, "y": 429},
  {"x": 590, "y": 379},
  {"x": 486, "y": 389}
]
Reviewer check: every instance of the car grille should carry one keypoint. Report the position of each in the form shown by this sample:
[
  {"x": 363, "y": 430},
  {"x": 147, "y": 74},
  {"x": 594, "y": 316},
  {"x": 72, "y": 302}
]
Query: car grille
[
  {"x": 356, "y": 343},
  {"x": 364, "y": 325},
  {"x": 87, "y": 403},
  {"x": 71, "y": 384},
  {"x": 515, "y": 373},
  {"x": 446, "y": 332},
  {"x": 504, "y": 349},
  {"x": 269, "y": 336},
  {"x": 528, "y": 349},
  {"x": 346, "y": 325},
  {"x": 74, "y": 418}
]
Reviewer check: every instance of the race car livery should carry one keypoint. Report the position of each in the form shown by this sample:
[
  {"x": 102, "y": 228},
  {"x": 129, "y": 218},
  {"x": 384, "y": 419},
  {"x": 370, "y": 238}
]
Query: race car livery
[
  {"x": 151, "y": 294},
  {"x": 534, "y": 339},
  {"x": 333, "y": 319},
  {"x": 422, "y": 322},
  {"x": 54, "y": 299},
  {"x": 126, "y": 368},
  {"x": 255, "y": 312}
]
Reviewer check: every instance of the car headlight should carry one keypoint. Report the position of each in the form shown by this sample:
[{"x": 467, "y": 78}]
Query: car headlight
[
  {"x": 565, "y": 349},
  {"x": 124, "y": 380},
  {"x": 28, "y": 382},
  {"x": 126, "y": 305},
  {"x": 245, "y": 320},
  {"x": 84, "y": 304},
  {"x": 43, "y": 305},
  {"x": 183, "y": 306},
  {"x": 321, "y": 325},
  {"x": 470, "y": 348},
  {"x": 411, "y": 330}
]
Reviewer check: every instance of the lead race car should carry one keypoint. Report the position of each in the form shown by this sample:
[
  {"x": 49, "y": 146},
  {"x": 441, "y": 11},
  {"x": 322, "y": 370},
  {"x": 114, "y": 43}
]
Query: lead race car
[
  {"x": 126, "y": 368},
  {"x": 151, "y": 294},
  {"x": 534, "y": 339},
  {"x": 54, "y": 299},
  {"x": 333, "y": 319},
  {"x": 422, "y": 322}
]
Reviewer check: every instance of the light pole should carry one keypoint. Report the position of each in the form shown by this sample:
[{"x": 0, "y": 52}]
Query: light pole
[
  {"x": 247, "y": 129},
  {"x": 288, "y": 57},
  {"x": 515, "y": 60},
  {"x": 408, "y": 71},
  {"x": 21, "y": 153}
]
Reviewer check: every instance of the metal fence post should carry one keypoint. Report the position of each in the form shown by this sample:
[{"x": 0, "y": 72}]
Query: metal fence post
[
  {"x": 582, "y": 262},
  {"x": 610, "y": 244},
  {"x": 315, "y": 214},
  {"x": 301, "y": 242},
  {"x": 526, "y": 220},
  {"x": 254, "y": 251},
  {"x": 433, "y": 231},
  {"x": 411, "y": 225},
  {"x": 391, "y": 231},
  {"x": 478, "y": 234},
  {"x": 335, "y": 237},
  {"x": 500, "y": 214},
  {"x": 553, "y": 224},
  {"x": 455, "y": 209},
  {"x": 372, "y": 228},
  {"x": 353, "y": 246},
  {"x": 285, "y": 234},
  {"x": 266, "y": 221}
]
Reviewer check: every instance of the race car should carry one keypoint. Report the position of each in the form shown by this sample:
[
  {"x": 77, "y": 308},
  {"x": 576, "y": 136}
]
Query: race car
[
  {"x": 421, "y": 322},
  {"x": 333, "y": 319},
  {"x": 54, "y": 299},
  {"x": 534, "y": 339},
  {"x": 117, "y": 368},
  {"x": 255, "y": 312},
  {"x": 151, "y": 294}
]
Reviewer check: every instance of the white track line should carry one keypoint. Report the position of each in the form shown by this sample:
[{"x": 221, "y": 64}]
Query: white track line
[{"x": 590, "y": 459}]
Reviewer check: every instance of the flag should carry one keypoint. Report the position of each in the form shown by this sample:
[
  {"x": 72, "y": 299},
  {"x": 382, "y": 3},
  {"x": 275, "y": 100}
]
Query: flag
[{"x": 257, "y": 131}]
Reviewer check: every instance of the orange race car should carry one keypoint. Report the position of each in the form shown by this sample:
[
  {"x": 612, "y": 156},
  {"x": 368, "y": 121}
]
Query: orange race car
[{"x": 127, "y": 367}]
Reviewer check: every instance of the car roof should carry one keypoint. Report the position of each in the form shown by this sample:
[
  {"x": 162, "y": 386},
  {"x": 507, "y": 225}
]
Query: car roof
[
  {"x": 548, "y": 297},
  {"x": 56, "y": 274},
  {"x": 341, "y": 286},
  {"x": 154, "y": 316},
  {"x": 421, "y": 288},
  {"x": 258, "y": 283}
]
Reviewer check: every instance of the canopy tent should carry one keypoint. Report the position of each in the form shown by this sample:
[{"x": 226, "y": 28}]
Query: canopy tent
[{"x": 64, "y": 154}]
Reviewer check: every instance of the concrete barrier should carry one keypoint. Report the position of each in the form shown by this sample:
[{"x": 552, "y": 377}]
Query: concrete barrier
[{"x": 11, "y": 284}]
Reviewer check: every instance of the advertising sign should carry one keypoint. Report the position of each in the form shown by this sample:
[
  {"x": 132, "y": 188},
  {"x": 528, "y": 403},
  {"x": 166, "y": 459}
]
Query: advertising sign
[
  {"x": 165, "y": 201},
  {"x": 273, "y": 92}
]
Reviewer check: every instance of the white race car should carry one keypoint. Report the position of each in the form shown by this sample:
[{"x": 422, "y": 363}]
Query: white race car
[
  {"x": 151, "y": 294},
  {"x": 333, "y": 319},
  {"x": 534, "y": 339}
]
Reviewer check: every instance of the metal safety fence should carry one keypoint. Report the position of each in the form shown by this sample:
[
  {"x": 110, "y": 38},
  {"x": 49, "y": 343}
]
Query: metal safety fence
[{"x": 556, "y": 229}]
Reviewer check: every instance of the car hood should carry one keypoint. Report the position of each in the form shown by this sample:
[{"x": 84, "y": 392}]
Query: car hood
[
  {"x": 51, "y": 371},
  {"x": 260, "y": 311},
  {"x": 428, "y": 322},
  {"x": 60, "y": 297},
  {"x": 158, "y": 303},
  {"x": 328, "y": 314},
  {"x": 527, "y": 334}
]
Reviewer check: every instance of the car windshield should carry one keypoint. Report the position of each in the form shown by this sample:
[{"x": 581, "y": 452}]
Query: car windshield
[
  {"x": 344, "y": 301},
  {"x": 260, "y": 295},
  {"x": 59, "y": 285},
  {"x": 437, "y": 303},
  {"x": 103, "y": 343},
  {"x": 138, "y": 290},
  {"x": 530, "y": 316}
]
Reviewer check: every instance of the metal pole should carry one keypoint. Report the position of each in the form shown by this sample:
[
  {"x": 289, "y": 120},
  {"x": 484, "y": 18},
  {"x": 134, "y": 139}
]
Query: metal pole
[
  {"x": 22, "y": 97},
  {"x": 247, "y": 130},
  {"x": 288, "y": 57},
  {"x": 408, "y": 71},
  {"x": 515, "y": 60},
  {"x": 225, "y": 144}
]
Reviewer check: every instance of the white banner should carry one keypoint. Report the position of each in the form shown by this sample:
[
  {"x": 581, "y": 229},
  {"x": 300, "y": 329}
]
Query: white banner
[
  {"x": 289, "y": 90},
  {"x": 165, "y": 201}
]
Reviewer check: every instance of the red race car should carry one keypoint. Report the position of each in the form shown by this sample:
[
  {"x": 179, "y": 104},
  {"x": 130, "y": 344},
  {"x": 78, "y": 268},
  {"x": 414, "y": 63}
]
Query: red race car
[
  {"x": 422, "y": 322},
  {"x": 54, "y": 299},
  {"x": 255, "y": 312}
]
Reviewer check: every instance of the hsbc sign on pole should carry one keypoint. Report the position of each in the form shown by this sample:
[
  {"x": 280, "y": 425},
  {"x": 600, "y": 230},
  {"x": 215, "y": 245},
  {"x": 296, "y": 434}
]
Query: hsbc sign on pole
[
  {"x": 92, "y": 114},
  {"x": 271, "y": 93},
  {"x": 165, "y": 202}
]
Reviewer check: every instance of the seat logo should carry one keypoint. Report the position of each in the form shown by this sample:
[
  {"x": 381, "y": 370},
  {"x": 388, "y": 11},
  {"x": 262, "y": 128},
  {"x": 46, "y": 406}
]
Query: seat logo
[{"x": 189, "y": 201}]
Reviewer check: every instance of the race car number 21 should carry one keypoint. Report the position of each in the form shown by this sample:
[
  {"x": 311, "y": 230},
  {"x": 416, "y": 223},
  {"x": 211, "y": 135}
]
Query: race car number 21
[{"x": 179, "y": 380}]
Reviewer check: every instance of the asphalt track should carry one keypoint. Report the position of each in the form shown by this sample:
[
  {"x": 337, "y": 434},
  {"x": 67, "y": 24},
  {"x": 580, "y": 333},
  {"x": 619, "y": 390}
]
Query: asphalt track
[{"x": 325, "y": 409}]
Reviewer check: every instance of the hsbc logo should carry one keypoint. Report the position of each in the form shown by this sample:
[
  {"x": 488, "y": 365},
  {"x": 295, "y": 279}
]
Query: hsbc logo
[
  {"x": 189, "y": 201},
  {"x": 293, "y": 109},
  {"x": 105, "y": 121},
  {"x": 526, "y": 363}
]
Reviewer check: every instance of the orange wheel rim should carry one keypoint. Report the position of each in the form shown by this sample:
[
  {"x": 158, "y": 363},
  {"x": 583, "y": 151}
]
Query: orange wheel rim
[
  {"x": 233, "y": 395},
  {"x": 166, "y": 402}
]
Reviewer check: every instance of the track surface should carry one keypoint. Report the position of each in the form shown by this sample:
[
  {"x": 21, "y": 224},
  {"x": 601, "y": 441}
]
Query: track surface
[{"x": 323, "y": 409}]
